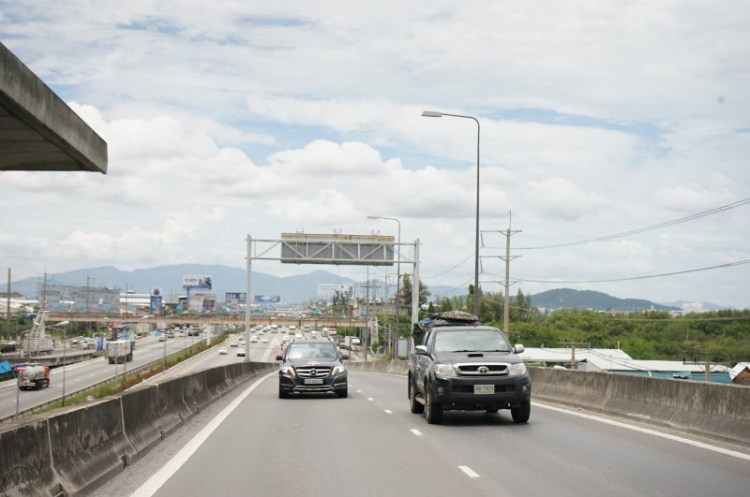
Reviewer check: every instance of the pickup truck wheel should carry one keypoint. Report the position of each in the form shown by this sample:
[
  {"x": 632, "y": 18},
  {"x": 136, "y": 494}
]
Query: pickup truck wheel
[
  {"x": 414, "y": 406},
  {"x": 521, "y": 413},
  {"x": 433, "y": 412}
]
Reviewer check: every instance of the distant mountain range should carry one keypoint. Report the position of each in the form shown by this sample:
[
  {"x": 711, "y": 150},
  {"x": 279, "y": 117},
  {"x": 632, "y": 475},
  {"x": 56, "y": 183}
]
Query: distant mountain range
[
  {"x": 301, "y": 288},
  {"x": 567, "y": 298}
]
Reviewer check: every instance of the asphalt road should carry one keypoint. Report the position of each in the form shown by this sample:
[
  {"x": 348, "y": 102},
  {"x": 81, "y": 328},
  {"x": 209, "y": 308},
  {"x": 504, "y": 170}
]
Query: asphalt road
[
  {"x": 253, "y": 443},
  {"x": 81, "y": 375}
]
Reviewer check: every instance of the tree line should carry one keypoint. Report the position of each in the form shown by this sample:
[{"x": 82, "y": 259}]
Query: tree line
[{"x": 719, "y": 336}]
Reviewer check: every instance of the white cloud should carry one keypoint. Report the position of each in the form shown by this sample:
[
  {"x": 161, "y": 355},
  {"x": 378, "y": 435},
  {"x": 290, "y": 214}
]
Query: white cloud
[
  {"x": 559, "y": 198},
  {"x": 248, "y": 117}
]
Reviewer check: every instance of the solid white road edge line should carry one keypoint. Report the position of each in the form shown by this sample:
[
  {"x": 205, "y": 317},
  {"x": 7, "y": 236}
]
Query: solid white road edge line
[
  {"x": 173, "y": 465},
  {"x": 732, "y": 453},
  {"x": 470, "y": 472}
]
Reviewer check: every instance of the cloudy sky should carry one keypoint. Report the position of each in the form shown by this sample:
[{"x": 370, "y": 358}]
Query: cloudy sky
[{"x": 225, "y": 119}]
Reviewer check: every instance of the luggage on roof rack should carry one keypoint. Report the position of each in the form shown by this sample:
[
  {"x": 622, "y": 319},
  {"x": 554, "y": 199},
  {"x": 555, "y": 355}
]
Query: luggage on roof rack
[{"x": 447, "y": 318}]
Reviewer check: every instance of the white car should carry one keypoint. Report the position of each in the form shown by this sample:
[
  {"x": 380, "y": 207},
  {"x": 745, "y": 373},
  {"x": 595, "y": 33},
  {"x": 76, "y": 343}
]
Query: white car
[
  {"x": 241, "y": 353},
  {"x": 223, "y": 351},
  {"x": 264, "y": 340}
]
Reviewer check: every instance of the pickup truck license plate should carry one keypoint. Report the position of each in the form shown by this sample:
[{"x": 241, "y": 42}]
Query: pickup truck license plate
[
  {"x": 315, "y": 381},
  {"x": 484, "y": 389}
]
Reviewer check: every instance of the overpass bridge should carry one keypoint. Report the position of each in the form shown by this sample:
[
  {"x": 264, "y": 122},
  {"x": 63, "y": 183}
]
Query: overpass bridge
[{"x": 315, "y": 322}]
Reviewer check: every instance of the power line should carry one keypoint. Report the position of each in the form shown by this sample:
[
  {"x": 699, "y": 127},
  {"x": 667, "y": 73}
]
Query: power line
[
  {"x": 720, "y": 266},
  {"x": 456, "y": 287},
  {"x": 692, "y": 217},
  {"x": 449, "y": 270}
]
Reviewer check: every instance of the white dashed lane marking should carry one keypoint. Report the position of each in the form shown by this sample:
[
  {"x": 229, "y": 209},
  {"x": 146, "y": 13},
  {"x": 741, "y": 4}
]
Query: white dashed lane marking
[
  {"x": 388, "y": 411},
  {"x": 468, "y": 471},
  {"x": 416, "y": 432}
]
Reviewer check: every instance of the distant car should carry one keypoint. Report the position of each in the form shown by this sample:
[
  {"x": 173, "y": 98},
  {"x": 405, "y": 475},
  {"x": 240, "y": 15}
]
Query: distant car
[
  {"x": 298, "y": 335},
  {"x": 264, "y": 340},
  {"x": 234, "y": 344},
  {"x": 241, "y": 353},
  {"x": 253, "y": 339},
  {"x": 223, "y": 351}
]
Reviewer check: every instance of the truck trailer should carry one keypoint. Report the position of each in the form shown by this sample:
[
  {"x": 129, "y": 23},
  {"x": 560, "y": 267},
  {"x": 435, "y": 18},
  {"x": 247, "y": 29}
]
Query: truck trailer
[
  {"x": 120, "y": 351},
  {"x": 33, "y": 377}
]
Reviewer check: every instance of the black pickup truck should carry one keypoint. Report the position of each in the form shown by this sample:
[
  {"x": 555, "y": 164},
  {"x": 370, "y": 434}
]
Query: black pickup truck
[{"x": 461, "y": 365}]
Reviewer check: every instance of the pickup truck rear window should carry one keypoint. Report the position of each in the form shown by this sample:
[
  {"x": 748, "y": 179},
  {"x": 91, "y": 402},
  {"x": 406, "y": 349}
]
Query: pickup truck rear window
[{"x": 471, "y": 341}]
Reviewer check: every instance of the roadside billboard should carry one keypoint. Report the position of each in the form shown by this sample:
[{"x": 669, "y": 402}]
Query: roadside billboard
[
  {"x": 236, "y": 297},
  {"x": 157, "y": 299},
  {"x": 196, "y": 281},
  {"x": 267, "y": 299}
]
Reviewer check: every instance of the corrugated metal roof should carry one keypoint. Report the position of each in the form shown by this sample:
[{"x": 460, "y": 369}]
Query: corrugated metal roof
[{"x": 612, "y": 360}]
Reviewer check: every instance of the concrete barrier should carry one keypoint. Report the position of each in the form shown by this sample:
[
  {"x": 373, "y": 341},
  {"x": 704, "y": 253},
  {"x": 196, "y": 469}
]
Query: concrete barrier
[
  {"x": 709, "y": 409},
  {"x": 26, "y": 461},
  {"x": 73, "y": 451},
  {"x": 142, "y": 419},
  {"x": 88, "y": 445},
  {"x": 172, "y": 408},
  {"x": 216, "y": 382},
  {"x": 194, "y": 391},
  {"x": 233, "y": 374}
]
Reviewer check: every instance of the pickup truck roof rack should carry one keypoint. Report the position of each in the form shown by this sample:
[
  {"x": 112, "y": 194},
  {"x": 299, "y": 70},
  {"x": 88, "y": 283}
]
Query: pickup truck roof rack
[{"x": 447, "y": 318}]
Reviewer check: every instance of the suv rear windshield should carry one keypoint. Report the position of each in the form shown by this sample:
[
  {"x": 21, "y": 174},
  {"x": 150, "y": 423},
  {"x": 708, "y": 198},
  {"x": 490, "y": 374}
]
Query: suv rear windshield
[
  {"x": 471, "y": 341},
  {"x": 311, "y": 351}
]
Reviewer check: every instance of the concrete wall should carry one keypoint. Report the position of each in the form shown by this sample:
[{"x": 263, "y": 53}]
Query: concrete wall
[
  {"x": 74, "y": 450},
  {"x": 714, "y": 410}
]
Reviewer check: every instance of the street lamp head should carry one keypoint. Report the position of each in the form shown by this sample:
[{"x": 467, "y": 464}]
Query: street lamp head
[
  {"x": 431, "y": 113},
  {"x": 373, "y": 217}
]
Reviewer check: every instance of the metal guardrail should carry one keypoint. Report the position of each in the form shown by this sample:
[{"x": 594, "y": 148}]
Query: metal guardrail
[{"x": 41, "y": 405}]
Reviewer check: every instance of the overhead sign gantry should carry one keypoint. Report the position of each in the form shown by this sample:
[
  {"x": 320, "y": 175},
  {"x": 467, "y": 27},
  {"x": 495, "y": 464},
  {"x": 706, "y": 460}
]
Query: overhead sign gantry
[{"x": 334, "y": 249}]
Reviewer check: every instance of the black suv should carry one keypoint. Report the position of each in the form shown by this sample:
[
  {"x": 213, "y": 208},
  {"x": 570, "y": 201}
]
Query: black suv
[
  {"x": 312, "y": 366},
  {"x": 468, "y": 368}
]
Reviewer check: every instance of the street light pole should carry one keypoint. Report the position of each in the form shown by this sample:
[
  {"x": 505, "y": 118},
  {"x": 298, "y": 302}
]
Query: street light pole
[
  {"x": 394, "y": 339},
  {"x": 429, "y": 113}
]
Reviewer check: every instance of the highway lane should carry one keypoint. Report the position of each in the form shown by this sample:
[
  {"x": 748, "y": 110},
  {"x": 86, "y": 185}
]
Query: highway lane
[
  {"x": 370, "y": 444},
  {"x": 84, "y": 374},
  {"x": 259, "y": 352}
]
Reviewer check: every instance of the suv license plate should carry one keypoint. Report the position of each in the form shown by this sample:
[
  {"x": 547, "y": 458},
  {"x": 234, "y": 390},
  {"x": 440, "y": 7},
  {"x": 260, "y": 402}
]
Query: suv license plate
[
  {"x": 315, "y": 381},
  {"x": 484, "y": 389}
]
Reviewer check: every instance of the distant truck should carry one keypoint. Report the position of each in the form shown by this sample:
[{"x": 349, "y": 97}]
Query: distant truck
[
  {"x": 143, "y": 329},
  {"x": 120, "y": 351},
  {"x": 33, "y": 377},
  {"x": 351, "y": 342}
]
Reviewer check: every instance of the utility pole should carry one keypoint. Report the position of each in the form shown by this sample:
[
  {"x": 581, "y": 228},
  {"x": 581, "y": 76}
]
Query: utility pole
[
  {"x": 367, "y": 306},
  {"x": 507, "y": 258},
  {"x": 707, "y": 366},
  {"x": 7, "y": 309},
  {"x": 88, "y": 311}
]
